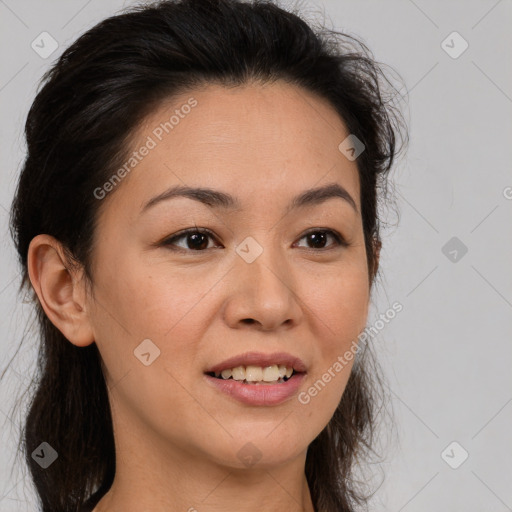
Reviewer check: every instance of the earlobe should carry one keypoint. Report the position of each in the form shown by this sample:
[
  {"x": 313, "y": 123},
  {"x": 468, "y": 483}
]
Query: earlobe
[{"x": 60, "y": 289}]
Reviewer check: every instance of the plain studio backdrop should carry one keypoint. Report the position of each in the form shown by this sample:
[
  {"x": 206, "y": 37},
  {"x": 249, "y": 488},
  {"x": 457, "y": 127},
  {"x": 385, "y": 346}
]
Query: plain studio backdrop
[{"x": 447, "y": 259}]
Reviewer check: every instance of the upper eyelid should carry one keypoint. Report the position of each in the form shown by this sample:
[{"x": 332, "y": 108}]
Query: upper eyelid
[{"x": 184, "y": 233}]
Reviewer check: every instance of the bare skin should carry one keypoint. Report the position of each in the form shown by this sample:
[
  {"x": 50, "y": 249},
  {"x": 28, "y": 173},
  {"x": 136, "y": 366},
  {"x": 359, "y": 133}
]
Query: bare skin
[{"x": 177, "y": 437}]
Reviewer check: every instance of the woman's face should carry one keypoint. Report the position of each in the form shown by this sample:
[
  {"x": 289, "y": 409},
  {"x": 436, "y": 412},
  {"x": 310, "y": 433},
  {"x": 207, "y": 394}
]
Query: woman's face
[{"x": 165, "y": 312}]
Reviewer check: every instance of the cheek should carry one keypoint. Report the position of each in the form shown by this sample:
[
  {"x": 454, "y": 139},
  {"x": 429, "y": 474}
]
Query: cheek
[
  {"x": 135, "y": 302},
  {"x": 339, "y": 303},
  {"x": 339, "y": 309},
  {"x": 155, "y": 301},
  {"x": 322, "y": 393},
  {"x": 170, "y": 312}
]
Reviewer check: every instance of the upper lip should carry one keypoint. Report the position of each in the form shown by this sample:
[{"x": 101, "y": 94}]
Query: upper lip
[{"x": 260, "y": 359}]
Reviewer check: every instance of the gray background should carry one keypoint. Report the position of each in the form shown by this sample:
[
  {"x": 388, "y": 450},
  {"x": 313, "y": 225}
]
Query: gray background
[{"x": 447, "y": 355}]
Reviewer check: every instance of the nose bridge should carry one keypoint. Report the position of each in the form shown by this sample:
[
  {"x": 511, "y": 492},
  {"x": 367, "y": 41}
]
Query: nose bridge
[
  {"x": 261, "y": 255},
  {"x": 264, "y": 290}
]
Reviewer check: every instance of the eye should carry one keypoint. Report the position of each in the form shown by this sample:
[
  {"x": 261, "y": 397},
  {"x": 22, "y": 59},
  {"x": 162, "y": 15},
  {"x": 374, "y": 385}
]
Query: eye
[
  {"x": 195, "y": 239},
  {"x": 319, "y": 237}
]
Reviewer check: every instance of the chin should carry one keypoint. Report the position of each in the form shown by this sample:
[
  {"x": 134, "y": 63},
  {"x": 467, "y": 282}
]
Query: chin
[{"x": 261, "y": 450}]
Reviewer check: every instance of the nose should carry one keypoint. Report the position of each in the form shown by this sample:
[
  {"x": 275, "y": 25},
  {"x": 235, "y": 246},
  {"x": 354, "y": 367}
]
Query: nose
[{"x": 263, "y": 294}]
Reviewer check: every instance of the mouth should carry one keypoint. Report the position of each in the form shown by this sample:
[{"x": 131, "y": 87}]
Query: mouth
[
  {"x": 258, "y": 368},
  {"x": 258, "y": 379}
]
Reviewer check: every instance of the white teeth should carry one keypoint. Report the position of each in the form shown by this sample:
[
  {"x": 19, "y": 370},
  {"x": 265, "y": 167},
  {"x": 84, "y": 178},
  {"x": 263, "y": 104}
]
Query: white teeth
[
  {"x": 270, "y": 373},
  {"x": 253, "y": 373},
  {"x": 226, "y": 373},
  {"x": 238, "y": 373}
]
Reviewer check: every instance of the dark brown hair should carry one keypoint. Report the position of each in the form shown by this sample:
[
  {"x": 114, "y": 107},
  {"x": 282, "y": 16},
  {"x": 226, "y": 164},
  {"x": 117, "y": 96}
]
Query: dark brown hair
[{"x": 78, "y": 131}]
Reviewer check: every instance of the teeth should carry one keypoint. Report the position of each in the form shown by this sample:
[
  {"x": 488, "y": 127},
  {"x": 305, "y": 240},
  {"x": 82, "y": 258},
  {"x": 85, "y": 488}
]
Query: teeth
[
  {"x": 238, "y": 373},
  {"x": 226, "y": 373},
  {"x": 253, "y": 373},
  {"x": 270, "y": 373}
]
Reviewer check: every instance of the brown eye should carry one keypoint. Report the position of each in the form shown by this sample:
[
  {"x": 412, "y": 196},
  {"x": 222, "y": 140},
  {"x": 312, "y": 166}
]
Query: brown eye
[
  {"x": 195, "y": 240},
  {"x": 198, "y": 239},
  {"x": 318, "y": 239}
]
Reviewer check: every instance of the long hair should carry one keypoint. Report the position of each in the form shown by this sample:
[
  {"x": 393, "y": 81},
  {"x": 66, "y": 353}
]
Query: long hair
[{"x": 78, "y": 130}]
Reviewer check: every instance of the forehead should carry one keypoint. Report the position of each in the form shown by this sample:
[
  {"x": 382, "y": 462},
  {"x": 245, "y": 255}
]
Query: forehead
[{"x": 254, "y": 140}]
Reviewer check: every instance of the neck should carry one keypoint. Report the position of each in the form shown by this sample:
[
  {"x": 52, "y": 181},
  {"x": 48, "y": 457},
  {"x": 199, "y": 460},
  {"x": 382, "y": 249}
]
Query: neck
[
  {"x": 272, "y": 490},
  {"x": 165, "y": 478}
]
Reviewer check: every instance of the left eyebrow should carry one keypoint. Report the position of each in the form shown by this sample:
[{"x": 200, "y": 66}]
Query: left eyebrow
[{"x": 217, "y": 199}]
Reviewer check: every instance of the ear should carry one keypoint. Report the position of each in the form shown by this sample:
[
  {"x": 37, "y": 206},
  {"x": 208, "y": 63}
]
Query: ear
[{"x": 60, "y": 289}]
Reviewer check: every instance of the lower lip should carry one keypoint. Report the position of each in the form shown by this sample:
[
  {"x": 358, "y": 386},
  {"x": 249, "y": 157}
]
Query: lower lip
[{"x": 258, "y": 394}]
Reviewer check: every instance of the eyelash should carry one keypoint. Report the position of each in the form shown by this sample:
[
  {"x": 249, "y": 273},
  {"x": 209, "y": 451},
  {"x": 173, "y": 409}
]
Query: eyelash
[{"x": 169, "y": 242}]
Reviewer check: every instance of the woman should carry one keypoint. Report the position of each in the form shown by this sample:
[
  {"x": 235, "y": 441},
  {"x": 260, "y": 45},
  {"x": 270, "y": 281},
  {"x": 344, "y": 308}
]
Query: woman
[{"x": 197, "y": 218}]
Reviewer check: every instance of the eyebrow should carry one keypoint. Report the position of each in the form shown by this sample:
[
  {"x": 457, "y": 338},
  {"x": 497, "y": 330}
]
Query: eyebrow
[{"x": 217, "y": 199}]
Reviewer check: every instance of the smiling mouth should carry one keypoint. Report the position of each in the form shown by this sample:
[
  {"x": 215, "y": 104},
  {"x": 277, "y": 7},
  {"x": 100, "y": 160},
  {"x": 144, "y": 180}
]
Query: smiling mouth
[
  {"x": 275, "y": 374},
  {"x": 245, "y": 381},
  {"x": 256, "y": 385}
]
